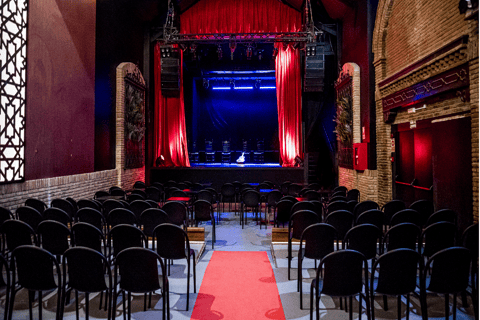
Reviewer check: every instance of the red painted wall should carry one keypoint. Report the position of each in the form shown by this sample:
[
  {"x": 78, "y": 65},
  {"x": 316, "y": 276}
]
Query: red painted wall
[{"x": 60, "y": 88}]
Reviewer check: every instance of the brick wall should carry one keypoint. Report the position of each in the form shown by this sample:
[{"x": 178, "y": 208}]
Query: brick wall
[{"x": 405, "y": 32}]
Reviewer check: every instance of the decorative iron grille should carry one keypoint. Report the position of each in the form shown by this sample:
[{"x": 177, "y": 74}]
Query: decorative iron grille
[
  {"x": 344, "y": 90},
  {"x": 13, "y": 69}
]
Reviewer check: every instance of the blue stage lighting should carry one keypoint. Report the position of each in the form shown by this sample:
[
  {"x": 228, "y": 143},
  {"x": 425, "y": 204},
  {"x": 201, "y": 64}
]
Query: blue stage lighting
[
  {"x": 221, "y": 88},
  {"x": 268, "y": 87},
  {"x": 243, "y": 88}
]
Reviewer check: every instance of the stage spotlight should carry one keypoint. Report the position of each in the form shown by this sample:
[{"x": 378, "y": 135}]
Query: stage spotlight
[
  {"x": 233, "y": 46},
  {"x": 275, "y": 52},
  {"x": 219, "y": 52},
  {"x": 249, "y": 52}
]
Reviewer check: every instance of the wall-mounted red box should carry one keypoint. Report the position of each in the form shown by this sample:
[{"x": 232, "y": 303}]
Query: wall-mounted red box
[{"x": 360, "y": 156}]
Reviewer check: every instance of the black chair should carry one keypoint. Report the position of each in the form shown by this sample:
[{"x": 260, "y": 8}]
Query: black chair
[
  {"x": 436, "y": 237},
  {"x": 389, "y": 209},
  {"x": 294, "y": 189},
  {"x": 449, "y": 270},
  {"x": 340, "y": 193},
  {"x": 283, "y": 212},
  {"x": 139, "y": 270},
  {"x": 154, "y": 193},
  {"x": 5, "y": 214},
  {"x": 406, "y": 215},
  {"x": 59, "y": 215},
  {"x": 271, "y": 200},
  {"x": 87, "y": 270},
  {"x": 73, "y": 203},
  {"x": 251, "y": 200},
  {"x": 139, "y": 185},
  {"x": 304, "y": 205},
  {"x": 340, "y": 275},
  {"x": 39, "y": 205},
  {"x": 173, "y": 244},
  {"x": 342, "y": 221},
  {"x": 447, "y": 215},
  {"x": 87, "y": 235},
  {"x": 178, "y": 193},
  {"x": 101, "y": 193},
  {"x": 363, "y": 206},
  {"x": 91, "y": 216},
  {"x": 4, "y": 270},
  {"x": 113, "y": 188},
  {"x": 403, "y": 235},
  {"x": 424, "y": 208},
  {"x": 18, "y": 233},
  {"x": 335, "y": 206},
  {"x": 118, "y": 192},
  {"x": 298, "y": 222},
  {"x": 53, "y": 236},
  {"x": 396, "y": 276},
  {"x": 150, "y": 219},
  {"x": 337, "y": 198},
  {"x": 120, "y": 216},
  {"x": 135, "y": 197},
  {"x": 303, "y": 191},
  {"x": 124, "y": 236},
  {"x": 65, "y": 205},
  {"x": 363, "y": 238},
  {"x": 29, "y": 215},
  {"x": 153, "y": 204},
  {"x": 206, "y": 195},
  {"x": 319, "y": 240},
  {"x": 312, "y": 195},
  {"x": 228, "y": 194},
  {"x": 140, "y": 192},
  {"x": 87, "y": 203},
  {"x": 203, "y": 211},
  {"x": 109, "y": 205},
  {"x": 284, "y": 187},
  {"x": 353, "y": 194},
  {"x": 177, "y": 212},
  {"x": 318, "y": 208},
  {"x": 340, "y": 188},
  {"x": 37, "y": 270},
  {"x": 470, "y": 241},
  {"x": 373, "y": 216},
  {"x": 138, "y": 206}
]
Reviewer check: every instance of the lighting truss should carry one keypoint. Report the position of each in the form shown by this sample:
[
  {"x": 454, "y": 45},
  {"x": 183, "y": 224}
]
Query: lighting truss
[{"x": 172, "y": 36}]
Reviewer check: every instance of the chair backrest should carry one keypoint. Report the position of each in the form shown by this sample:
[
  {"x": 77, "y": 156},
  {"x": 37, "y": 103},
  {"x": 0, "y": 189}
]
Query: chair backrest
[
  {"x": 153, "y": 193},
  {"x": 29, "y": 215},
  {"x": 140, "y": 192},
  {"x": 341, "y": 220},
  {"x": 263, "y": 185},
  {"x": 35, "y": 268},
  {"x": 284, "y": 210},
  {"x": 227, "y": 190},
  {"x": 138, "y": 206},
  {"x": 91, "y": 216},
  {"x": 125, "y": 236},
  {"x": 284, "y": 187},
  {"x": 5, "y": 214},
  {"x": 303, "y": 205},
  {"x": 87, "y": 235},
  {"x": 153, "y": 204},
  {"x": 364, "y": 206},
  {"x": 135, "y": 197},
  {"x": 101, "y": 193},
  {"x": 290, "y": 198},
  {"x": 424, "y": 208},
  {"x": 39, "y": 205},
  {"x": 203, "y": 210},
  {"x": 178, "y": 193},
  {"x": 447, "y": 215},
  {"x": 396, "y": 272},
  {"x": 319, "y": 239},
  {"x": 138, "y": 268},
  {"x": 294, "y": 189},
  {"x": 303, "y": 191},
  {"x": 353, "y": 194},
  {"x": 109, "y": 205},
  {"x": 301, "y": 220},
  {"x": 65, "y": 205},
  {"x": 176, "y": 211},
  {"x": 205, "y": 195},
  {"x": 171, "y": 241},
  {"x": 114, "y": 188},
  {"x": 373, "y": 216},
  {"x": 390, "y": 208},
  {"x": 273, "y": 197},
  {"x": 121, "y": 216},
  {"x": 335, "y": 206},
  {"x": 406, "y": 215},
  {"x": 449, "y": 270},
  {"x": 438, "y": 236},
  {"x": 403, "y": 235},
  {"x": 151, "y": 218},
  {"x": 158, "y": 185},
  {"x": 343, "y": 273},
  {"x": 118, "y": 192},
  {"x": 351, "y": 205},
  {"x": 470, "y": 239},
  {"x": 87, "y": 270},
  {"x": 340, "y": 188},
  {"x": 18, "y": 233},
  {"x": 315, "y": 186},
  {"x": 340, "y": 193},
  {"x": 170, "y": 184},
  {"x": 337, "y": 198},
  {"x": 87, "y": 203},
  {"x": 312, "y": 195},
  {"x": 251, "y": 198},
  {"x": 57, "y": 214},
  {"x": 139, "y": 185},
  {"x": 363, "y": 238},
  {"x": 53, "y": 236}
]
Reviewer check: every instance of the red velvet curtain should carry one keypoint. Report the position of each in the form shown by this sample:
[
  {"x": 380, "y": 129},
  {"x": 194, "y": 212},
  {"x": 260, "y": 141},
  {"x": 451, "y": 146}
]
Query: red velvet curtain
[
  {"x": 170, "y": 134},
  {"x": 289, "y": 103},
  {"x": 244, "y": 16}
]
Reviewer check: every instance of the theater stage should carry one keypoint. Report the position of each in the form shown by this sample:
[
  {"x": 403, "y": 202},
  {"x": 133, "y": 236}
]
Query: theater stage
[{"x": 217, "y": 174}]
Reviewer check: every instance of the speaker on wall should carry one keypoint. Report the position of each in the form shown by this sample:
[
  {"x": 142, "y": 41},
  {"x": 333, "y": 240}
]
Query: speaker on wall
[
  {"x": 170, "y": 70},
  {"x": 314, "y": 68}
]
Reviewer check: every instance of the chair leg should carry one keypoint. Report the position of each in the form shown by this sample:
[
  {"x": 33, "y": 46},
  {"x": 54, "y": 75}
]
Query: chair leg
[
  {"x": 447, "y": 309},
  {"x": 399, "y": 307},
  {"x": 87, "y": 304},
  {"x": 31, "y": 295},
  {"x": 124, "y": 308},
  {"x": 385, "y": 303},
  {"x": 350, "y": 315},
  {"x": 372, "y": 304},
  {"x": 454, "y": 306},
  {"x": 408, "y": 306},
  {"x": 76, "y": 304},
  {"x": 129, "y": 305},
  {"x": 188, "y": 282},
  {"x": 194, "y": 274},
  {"x": 312, "y": 289},
  {"x": 40, "y": 305},
  {"x": 317, "y": 305}
]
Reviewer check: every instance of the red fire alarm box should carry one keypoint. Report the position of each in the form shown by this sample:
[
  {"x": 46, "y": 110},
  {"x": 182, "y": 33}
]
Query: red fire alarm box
[{"x": 360, "y": 156}]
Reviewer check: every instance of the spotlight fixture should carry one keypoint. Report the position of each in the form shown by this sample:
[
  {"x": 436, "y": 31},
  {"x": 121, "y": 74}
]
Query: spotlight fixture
[
  {"x": 249, "y": 52},
  {"x": 219, "y": 52},
  {"x": 275, "y": 52},
  {"x": 311, "y": 49},
  {"x": 233, "y": 46},
  {"x": 166, "y": 51}
]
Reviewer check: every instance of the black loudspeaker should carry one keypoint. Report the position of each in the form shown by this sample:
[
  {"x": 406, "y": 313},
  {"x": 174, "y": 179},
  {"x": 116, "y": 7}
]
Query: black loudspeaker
[
  {"x": 314, "y": 67},
  {"x": 170, "y": 70}
]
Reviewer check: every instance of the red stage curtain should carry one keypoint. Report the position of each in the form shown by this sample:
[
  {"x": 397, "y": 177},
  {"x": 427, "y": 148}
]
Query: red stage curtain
[
  {"x": 289, "y": 103},
  {"x": 170, "y": 134},
  {"x": 240, "y": 16},
  {"x": 244, "y": 16}
]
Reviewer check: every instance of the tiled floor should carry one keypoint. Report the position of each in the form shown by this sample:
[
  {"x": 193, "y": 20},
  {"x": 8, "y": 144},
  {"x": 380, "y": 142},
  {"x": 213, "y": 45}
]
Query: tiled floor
[{"x": 231, "y": 237}]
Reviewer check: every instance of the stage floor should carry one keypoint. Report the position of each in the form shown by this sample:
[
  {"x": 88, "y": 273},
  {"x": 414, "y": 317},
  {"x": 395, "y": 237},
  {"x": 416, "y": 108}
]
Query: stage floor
[{"x": 234, "y": 165}]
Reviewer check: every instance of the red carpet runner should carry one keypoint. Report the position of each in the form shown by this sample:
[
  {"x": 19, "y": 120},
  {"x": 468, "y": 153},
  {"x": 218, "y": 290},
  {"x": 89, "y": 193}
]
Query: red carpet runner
[{"x": 238, "y": 285}]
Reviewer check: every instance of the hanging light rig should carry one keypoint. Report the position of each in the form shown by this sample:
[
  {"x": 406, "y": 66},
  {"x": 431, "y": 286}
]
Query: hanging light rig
[{"x": 233, "y": 46}]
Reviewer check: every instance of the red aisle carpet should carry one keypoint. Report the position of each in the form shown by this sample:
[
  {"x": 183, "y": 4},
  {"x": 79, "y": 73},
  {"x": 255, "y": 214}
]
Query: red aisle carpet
[{"x": 238, "y": 285}]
